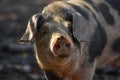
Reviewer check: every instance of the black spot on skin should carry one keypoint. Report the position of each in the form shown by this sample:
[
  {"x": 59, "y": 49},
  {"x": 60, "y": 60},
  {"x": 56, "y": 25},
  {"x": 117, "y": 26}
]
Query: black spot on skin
[
  {"x": 98, "y": 42},
  {"x": 81, "y": 11},
  {"x": 116, "y": 45},
  {"x": 52, "y": 76},
  {"x": 104, "y": 9},
  {"x": 92, "y": 4},
  {"x": 40, "y": 22},
  {"x": 115, "y": 4}
]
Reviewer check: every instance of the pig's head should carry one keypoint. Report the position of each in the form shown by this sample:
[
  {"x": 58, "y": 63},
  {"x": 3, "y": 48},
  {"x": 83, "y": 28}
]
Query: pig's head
[{"x": 57, "y": 33}]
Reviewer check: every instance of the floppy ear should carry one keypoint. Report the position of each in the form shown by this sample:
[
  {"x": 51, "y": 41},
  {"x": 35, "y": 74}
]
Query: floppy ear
[
  {"x": 82, "y": 28},
  {"x": 32, "y": 26}
]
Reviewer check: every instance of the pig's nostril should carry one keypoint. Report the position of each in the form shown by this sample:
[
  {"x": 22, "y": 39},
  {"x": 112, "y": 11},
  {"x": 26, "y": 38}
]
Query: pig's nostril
[
  {"x": 67, "y": 45},
  {"x": 57, "y": 47}
]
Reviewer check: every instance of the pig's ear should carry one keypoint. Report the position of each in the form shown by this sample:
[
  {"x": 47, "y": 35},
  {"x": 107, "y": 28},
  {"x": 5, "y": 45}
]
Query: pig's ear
[
  {"x": 82, "y": 28},
  {"x": 32, "y": 26}
]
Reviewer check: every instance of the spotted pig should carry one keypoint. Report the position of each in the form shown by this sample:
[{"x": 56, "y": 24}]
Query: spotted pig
[{"x": 74, "y": 37}]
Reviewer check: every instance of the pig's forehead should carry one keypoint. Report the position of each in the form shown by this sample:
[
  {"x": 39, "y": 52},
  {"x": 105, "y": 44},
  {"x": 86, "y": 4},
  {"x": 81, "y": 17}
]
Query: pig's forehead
[
  {"x": 58, "y": 19},
  {"x": 57, "y": 11},
  {"x": 57, "y": 22}
]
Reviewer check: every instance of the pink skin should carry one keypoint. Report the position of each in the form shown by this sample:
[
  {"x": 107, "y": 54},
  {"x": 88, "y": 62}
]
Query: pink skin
[{"x": 61, "y": 46}]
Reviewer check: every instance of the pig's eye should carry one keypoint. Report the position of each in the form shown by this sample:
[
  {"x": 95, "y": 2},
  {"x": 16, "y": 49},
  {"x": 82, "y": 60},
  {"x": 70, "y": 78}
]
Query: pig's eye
[{"x": 44, "y": 31}]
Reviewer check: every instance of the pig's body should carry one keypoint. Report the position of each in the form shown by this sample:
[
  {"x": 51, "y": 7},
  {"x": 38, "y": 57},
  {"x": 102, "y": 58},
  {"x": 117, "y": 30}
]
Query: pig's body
[{"x": 74, "y": 37}]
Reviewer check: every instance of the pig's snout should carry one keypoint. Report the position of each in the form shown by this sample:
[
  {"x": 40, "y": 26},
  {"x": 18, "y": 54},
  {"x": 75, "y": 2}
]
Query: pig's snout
[{"x": 62, "y": 47}]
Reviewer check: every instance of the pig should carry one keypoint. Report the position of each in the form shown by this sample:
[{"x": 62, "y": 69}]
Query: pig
[{"x": 74, "y": 37}]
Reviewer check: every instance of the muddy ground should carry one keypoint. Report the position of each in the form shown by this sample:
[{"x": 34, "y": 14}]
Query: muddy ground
[{"x": 17, "y": 62}]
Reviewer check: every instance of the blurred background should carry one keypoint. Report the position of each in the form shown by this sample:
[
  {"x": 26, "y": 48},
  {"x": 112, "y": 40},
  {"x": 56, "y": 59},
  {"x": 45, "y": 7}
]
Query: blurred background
[{"x": 17, "y": 62}]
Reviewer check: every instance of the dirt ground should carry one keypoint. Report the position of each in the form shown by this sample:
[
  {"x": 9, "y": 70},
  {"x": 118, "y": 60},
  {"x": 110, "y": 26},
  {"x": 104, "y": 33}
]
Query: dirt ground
[{"x": 17, "y": 62}]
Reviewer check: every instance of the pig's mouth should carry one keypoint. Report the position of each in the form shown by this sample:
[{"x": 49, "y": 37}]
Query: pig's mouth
[{"x": 61, "y": 47}]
